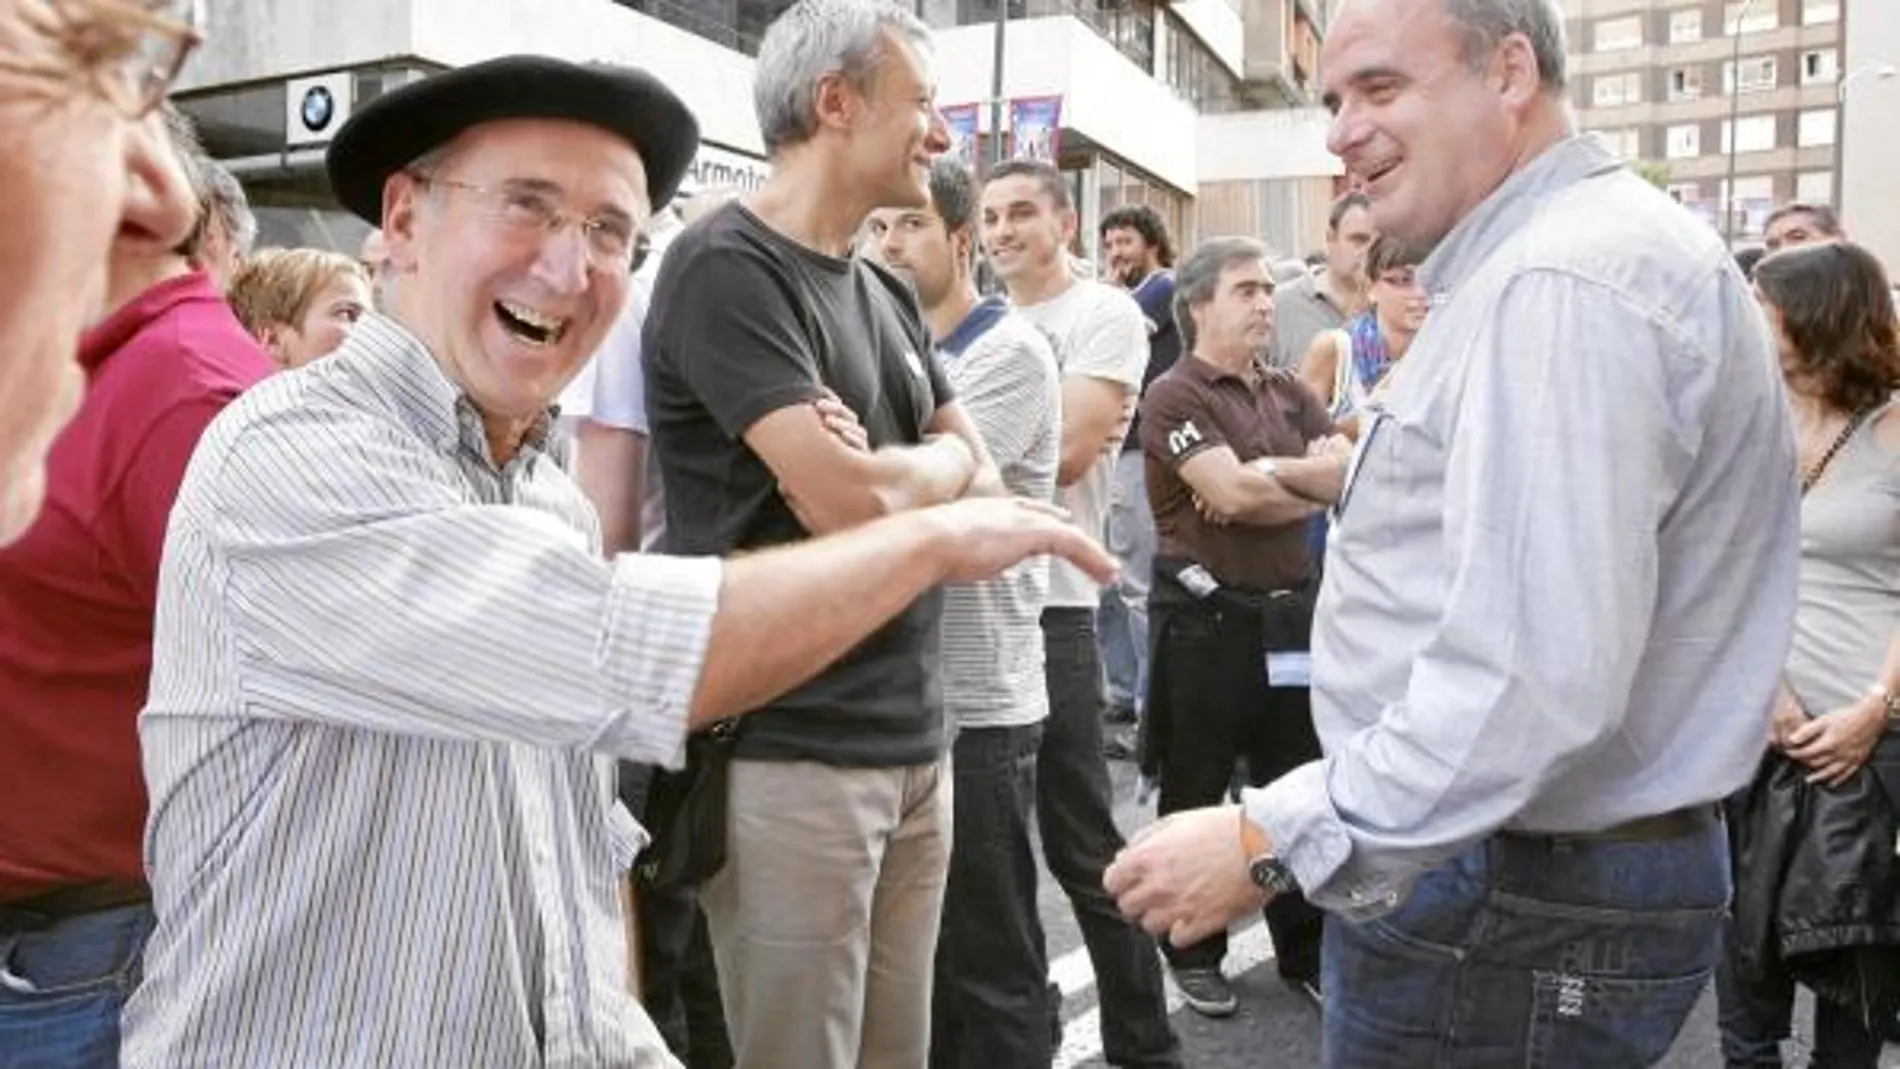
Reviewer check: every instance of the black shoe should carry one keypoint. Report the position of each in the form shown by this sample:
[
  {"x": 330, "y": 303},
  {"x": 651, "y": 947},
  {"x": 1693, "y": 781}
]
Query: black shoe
[
  {"x": 1307, "y": 990},
  {"x": 1120, "y": 713},
  {"x": 1893, "y": 1029},
  {"x": 1206, "y": 992},
  {"x": 1121, "y": 746},
  {"x": 1055, "y": 1018}
]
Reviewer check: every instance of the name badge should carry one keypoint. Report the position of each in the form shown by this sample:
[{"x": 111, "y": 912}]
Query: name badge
[{"x": 1291, "y": 668}]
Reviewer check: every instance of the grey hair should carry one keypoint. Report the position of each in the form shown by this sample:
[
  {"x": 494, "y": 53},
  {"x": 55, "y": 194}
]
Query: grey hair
[
  {"x": 225, "y": 200},
  {"x": 814, "y": 38},
  {"x": 1197, "y": 278},
  {"x": 952, "y": 193},
  {"x": 1487, "y": 23}
]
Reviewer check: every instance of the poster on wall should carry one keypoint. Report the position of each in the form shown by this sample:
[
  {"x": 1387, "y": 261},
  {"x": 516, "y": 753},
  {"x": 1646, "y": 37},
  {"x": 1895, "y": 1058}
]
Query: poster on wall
[
  {"x": 1035, "y": 128},
  {"x": 962, "y": 120}
]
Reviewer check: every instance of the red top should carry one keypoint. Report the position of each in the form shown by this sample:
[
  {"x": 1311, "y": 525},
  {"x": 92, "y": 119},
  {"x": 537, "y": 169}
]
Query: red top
[{"x": 77, "y": 593}]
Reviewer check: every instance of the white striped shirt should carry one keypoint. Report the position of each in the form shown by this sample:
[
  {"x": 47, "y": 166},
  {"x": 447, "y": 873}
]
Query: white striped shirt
[{"x": 388, "y": 683}]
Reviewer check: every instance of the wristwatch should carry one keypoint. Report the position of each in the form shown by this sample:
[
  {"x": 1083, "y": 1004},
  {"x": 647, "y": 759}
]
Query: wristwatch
[
  {"x": 1264, "y": 867},
  {"x": 1889, "y": 700}
]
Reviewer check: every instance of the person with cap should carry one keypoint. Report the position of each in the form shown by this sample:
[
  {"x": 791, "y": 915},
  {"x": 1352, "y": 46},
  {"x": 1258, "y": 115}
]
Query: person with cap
[
  {"x": 84, "y": 164},
  {"x": 392, "y": 668}
]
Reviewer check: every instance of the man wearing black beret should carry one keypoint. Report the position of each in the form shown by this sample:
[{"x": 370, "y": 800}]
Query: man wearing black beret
[{"x": 392, "y": 669}]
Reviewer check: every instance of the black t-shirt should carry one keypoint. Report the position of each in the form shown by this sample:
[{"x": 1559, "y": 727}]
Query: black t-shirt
[{"x": 745, "y": 321}]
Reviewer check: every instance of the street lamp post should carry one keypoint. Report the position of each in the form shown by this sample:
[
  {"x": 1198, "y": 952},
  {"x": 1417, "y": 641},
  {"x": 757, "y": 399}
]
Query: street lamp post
[
  {"x": 1879, "y": 69},
  {"x": 1734, "y": 114}
]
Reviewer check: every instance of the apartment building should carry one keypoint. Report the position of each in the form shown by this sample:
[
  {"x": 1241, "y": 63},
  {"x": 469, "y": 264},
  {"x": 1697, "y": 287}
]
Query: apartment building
[
  {"x": 1659, "y": 79},
  {"x": 1134, "y": 77}
]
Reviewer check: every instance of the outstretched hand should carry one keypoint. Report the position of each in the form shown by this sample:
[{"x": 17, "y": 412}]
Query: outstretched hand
[{"x": 989, "y": 535}]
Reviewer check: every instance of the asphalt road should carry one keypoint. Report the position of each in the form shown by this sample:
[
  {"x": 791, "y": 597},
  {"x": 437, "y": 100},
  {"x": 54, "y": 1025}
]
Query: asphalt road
[{"x": 1273, "y": 1027}]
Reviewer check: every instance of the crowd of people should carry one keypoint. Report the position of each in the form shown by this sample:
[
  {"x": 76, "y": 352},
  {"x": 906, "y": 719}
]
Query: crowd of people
[{"x": 611, "y": 622}]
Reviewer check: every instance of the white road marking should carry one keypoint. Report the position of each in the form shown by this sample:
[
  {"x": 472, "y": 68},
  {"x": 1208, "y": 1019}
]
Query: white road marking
[{"x": 1082, "y": 1034}]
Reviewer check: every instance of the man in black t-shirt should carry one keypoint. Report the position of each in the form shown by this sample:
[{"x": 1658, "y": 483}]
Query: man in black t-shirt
[{"x": 792, "y": 391}]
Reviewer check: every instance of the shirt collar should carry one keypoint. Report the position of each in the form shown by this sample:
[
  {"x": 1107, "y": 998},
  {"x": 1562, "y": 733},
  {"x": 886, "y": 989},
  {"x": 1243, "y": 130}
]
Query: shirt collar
[
  {"x": 1209, "y": 373},
  {"x": 1509, "y": 207},
  {"x": 424, "y": 395},
  {"x": 110, "y": 334},
  {"x": 981, "y": 317}
]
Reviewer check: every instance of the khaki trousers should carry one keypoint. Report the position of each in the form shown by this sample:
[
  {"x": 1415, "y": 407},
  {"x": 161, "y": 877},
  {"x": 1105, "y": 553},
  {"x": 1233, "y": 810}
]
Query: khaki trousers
[{"x": 824, "y": 920}]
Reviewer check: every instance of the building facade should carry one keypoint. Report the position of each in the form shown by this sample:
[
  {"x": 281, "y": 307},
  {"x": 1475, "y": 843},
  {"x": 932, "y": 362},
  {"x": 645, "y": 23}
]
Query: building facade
[
  {"x": 1135, "y": 80},
  {"x": 1660, "y": 80}
]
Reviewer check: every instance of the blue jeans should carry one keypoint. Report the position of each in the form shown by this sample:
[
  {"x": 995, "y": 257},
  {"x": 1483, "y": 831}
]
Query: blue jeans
[
  {"x": 1122, "y": 620},
  {"x": 1079, "y": 839},
  {"x": 990, "y": 1006},
  {"x": 62, "y": 987},
  {"x": 1532, "y": 951}
]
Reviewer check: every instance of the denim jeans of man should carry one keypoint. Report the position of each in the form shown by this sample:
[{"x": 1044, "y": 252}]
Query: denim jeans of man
[
  {"x": 1756, "y": 1015},
  {"x": 990, "y": 1005},
  {"x": 62, "y": 987},
  {"x": 1080, "y": 839},
  {"x": 1122, "y": 620},
  {"x": 1532, "y": 952}
]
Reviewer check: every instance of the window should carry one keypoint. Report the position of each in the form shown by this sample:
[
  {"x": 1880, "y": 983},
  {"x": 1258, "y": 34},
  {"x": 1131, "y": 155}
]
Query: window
[
  {"x": 1814, "y": 12},
  {"x": 1682, "y": 142},
  {"x": 1758, "y": 75},
  {"x": 1685, "y": 83},
  {"x": 1815, "y": 128},
  {"x": 1754, "y": 133},
  {"x": 1685, "y": 25},
  {"x": 1820, "y": 67},
  {"x": 1761, "y": 16},
  {"x": 1614, "y": 89},
  {"x": 1616, "y": 34},
  {"x": 1814, "y": 187},
  {"x": 1626, "y": 141}
]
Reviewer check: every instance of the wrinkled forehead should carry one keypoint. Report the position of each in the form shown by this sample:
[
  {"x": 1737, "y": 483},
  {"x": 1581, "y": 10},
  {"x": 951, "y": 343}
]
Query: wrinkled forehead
[
  {"x": 1373, "y": 38},
  {"x": 592, "y": 167}
]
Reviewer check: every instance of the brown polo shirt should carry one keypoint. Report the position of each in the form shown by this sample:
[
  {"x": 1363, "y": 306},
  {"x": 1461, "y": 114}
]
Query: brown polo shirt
[{"x": 1196, "y": 406}]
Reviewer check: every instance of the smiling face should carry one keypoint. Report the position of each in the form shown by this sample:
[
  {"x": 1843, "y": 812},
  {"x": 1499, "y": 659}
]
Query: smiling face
[
  {"x": 1401, "y": 300},
  {"x": 896, "y": 129},
  {"x": 513, "y": 310},
  {"x": 79, "y": 179},
  {"x": 1025, "y": 232},
  {"x": 1429, "y": 137}
]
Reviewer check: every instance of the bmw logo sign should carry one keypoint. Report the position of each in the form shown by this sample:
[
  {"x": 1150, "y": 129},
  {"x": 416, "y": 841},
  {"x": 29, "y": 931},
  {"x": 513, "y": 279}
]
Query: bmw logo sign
[{"x": 319, "y": 107}]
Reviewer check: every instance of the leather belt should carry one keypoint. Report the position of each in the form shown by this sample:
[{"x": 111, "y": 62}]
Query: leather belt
[
  {"x": 1675, "y": 824},
  {"x": 48, "y": 907}
]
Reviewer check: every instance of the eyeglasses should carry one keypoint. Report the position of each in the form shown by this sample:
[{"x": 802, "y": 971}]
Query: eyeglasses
[
  {"x": 612, "y": 241},
  {"x": 128, "y": 51}
]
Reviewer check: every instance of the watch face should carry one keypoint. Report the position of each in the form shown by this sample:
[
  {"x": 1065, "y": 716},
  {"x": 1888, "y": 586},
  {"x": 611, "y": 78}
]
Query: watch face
[{"x": 1271, "y": 874}]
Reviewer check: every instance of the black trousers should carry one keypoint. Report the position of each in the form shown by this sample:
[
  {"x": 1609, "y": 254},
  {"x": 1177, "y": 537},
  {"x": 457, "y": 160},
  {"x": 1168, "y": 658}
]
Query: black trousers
[{"x": 1210, "y": 664}]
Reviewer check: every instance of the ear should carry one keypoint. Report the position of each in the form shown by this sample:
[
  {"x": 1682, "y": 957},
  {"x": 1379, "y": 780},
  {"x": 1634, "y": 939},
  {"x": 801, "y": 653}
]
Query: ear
[
  {"x": 402, "y": 206},
  {"x": 1515, "y": 73},
  {"x": 837, "y": 102},
  {"x": 1069, "y": 227}
]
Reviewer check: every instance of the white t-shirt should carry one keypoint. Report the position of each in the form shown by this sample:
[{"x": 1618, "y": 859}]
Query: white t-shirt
[{"x": 1098, "y": 331}]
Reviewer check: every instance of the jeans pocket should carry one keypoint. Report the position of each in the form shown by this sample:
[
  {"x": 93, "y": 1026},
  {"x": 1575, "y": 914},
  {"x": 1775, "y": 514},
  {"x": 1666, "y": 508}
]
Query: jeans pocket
[
  {"x": 83, "y": 957},
  {"x": 1596, "y": 1022}
]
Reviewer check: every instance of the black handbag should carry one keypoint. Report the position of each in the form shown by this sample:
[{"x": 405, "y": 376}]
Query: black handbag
[{"x": 686, "y": 812}]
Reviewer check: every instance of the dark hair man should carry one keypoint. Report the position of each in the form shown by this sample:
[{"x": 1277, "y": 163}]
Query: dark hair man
[
  {"x": 1325, "y": 299},
  {"x": 1028, "y": 222},
  {"x": 991, "y": 1000},
  {"x": 1798, "y": 223},
  {"x": 1577, "y": 477},
  {"x": 1140, "y": 254},
  {"x": 1226, "y": 441}
]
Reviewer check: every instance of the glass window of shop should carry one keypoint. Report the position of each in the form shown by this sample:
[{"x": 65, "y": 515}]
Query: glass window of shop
[{"x": 1118, "y": 185}]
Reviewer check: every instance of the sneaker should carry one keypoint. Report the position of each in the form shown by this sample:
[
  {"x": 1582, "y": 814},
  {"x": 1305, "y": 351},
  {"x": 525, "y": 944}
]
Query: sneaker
[
  {"x": 1206, "y": 992},
  {"x": 1306, "y": 989},
  {"x": 1121, "y": 746}
]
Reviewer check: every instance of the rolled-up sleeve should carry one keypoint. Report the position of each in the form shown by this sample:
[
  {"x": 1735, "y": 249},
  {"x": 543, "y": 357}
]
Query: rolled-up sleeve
[
  {"x": 363, "y": 589},
  {"x": 1562, "y": 466}
]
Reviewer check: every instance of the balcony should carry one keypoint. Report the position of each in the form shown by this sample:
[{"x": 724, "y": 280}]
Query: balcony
[{"x": 1282, "y": 53}]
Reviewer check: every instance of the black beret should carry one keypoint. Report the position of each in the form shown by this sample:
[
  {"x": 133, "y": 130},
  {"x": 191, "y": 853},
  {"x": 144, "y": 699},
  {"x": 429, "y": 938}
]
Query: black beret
[{"x": 397, "y": 128}]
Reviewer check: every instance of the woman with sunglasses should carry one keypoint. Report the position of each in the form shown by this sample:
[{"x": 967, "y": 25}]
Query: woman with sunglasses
[
  {"x": 84, "y": 164},
  {"x": 1345, "y": 366}
]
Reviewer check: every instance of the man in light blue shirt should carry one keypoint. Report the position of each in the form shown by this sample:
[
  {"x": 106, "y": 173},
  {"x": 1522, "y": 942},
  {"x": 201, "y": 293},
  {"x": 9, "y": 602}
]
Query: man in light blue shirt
[{"x": 1559, "y": 587}]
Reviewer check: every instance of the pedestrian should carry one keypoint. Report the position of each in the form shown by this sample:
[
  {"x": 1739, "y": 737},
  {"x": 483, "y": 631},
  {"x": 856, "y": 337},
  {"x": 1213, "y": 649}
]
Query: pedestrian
[
  {"x": 1557, "y": 593},
  {"x": 392, "y": 668}
]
